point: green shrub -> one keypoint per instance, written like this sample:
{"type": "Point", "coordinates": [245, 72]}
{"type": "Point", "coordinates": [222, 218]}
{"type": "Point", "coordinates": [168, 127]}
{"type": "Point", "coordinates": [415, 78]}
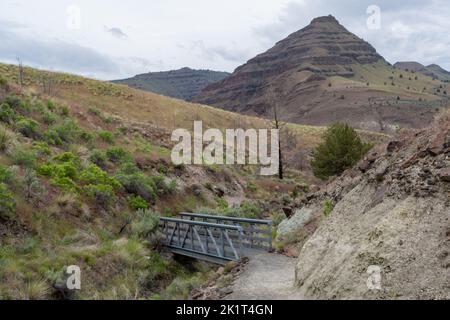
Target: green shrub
{"type": "Point", "coordinates": [87, 136]}
{"type": "Point", "coordinates": [3, 82]}
{"type": "Point", "coordinates": [327, 207]}
{"type": "Point", "coordinates": [7, 203]}
{"type": "Point", "coordinates": [51, 106]}
{"type": "Point", "coordinates": [96, 176]}
{"type": "Point", "coordinates": [101, 193]}
{"type": "Point", "coordinates": [144, 224]}
{"type": "Point", "coordinates": [24, 157]}
{"type": "Point", "coordinates": [64, 111]}
{"type": "Point", "coordinates": [32, 185]}
{"type": "Point", "coordinates": [49, 118]}
{"type": "Point", "coordinates": [5, 139]}
{"type": "Point", "coordinates": [172, 187]}
{"type": "Point", "coordinates": [68, 170]}
{"type": "Point", "coordinates": [66, 184]}
{"type": "Point", "coordinates": [252, 187]}
{"type": "Point", "coordinates": [222, 204]}
{"type": "Point", "coordinates": [7, 114]}
{"type": "Point", "coordinates": [118, 155]}
{"type": "Point", "coordinates": [128, 168]}
{"type": "Point", "coordinates": [52, 137]}
{"type": "Point", "coordinates": [64, 172]}
{"type": "Point", "coordinates": [162, 187]}
{"type": "Point", "coordinates": [67, 132]}
{"type": "Point", "coordinates": [39, 107]}
{"type": "Point", "coordinates": [99, 158]}
{"type": "Point", "coordinates": [6, 175]}
{"type": "Point", "coordinates": [342, 148]}
{"type": "Point", "coordinates": [136, 202]}
{"type": "Point", "coordinates": [106, 136]}
{"type": "Point", "coordinates": [66, 157]}
{"type": "Point", "coordinates": [277, 218]}
{"type": "Point", "coordinates": [13, 101]}
{"type": "Point", "coordinates": [138, 184]}
{"type": "Point", "coordinates": [29, 128]}
{"type": "Point", "coordinates": [245, 210]}
{"type": "Point", "coordinates": [162, 169]}
{"type": "Point", "coordinates": [42, 148]}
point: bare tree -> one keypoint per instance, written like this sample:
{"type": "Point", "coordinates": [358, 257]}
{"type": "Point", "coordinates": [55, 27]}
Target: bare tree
{"type": "Point", "coordinates": [47, 83]}
{"type": "Point", "coordinates": [274, 115]}
{"type": "Point", "coordinates": [21, 74]}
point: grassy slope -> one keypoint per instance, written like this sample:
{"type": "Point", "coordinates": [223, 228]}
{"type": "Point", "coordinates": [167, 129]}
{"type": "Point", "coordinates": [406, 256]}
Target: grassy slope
{"type": "Point", "coordinates": [381, 77]}
{"type": "Point", "coordinates": [145, 107]}
{"type": "Point", "coordinates": [50, 228]}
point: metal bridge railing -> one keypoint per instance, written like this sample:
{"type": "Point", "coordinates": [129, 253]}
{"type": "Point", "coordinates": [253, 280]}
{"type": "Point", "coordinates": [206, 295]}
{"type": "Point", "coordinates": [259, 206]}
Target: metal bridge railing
{"type": "Point", "coordinates": [215, 240]}
{"type": "Point", "coordinates": [257, 233]}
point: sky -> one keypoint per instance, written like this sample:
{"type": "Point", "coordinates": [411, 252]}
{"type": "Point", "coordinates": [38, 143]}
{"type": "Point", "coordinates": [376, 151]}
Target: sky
{"type": "Point", "coordinates": [112, 39]}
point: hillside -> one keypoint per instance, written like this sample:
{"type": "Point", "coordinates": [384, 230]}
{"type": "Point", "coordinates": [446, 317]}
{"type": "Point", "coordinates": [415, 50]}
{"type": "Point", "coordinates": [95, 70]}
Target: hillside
{"type": "Point", "coordinates": [433, 70]}
{"type": "Point", "coordinates": [323, 73]}
{"type": "Point", "coordinates": [85, 172]}
{"type": "Point", "coordinates": [390, 212]}
{"type": "Point", "coordinates": [182, 84]}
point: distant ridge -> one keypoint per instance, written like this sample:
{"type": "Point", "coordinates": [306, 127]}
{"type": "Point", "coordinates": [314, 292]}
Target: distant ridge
{"type": "Point", "coordinates": [433, 70]}
{"type": "Point", "coordinates": [184, 83]}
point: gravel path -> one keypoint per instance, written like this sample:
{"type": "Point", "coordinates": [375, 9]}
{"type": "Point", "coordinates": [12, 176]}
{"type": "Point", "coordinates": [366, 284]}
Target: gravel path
{"type": "Point", "coordinates": [267, 276]}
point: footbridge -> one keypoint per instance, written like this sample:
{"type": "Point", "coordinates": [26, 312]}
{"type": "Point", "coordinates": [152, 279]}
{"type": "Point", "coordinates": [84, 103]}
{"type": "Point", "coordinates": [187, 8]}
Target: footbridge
{"type": "Point", "coordinates": [216, 239]}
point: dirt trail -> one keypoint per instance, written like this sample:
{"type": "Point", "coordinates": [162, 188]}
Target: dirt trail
{"type": "Point", "coordinates": [267, 276]}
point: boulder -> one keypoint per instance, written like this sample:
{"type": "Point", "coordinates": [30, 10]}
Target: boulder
{"type": "Point", "coordinates": [444, 174]}
{"type": "Point", "coordinates": [295, 229]}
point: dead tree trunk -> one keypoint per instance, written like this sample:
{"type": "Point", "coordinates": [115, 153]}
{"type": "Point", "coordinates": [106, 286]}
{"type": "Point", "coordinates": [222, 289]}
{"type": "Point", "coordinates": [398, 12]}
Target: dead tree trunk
{"type": "Point", "coordinates": [21, 76]}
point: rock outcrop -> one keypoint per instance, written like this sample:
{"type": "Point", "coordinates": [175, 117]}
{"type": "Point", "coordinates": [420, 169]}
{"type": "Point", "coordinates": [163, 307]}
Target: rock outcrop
{"type": "Point", "coordinates": [392, 214]}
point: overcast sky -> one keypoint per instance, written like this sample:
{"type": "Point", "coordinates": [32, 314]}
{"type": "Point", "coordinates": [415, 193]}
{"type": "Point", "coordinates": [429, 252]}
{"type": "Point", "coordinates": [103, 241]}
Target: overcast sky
{"type": "Point", "coordinates": [110, 39]}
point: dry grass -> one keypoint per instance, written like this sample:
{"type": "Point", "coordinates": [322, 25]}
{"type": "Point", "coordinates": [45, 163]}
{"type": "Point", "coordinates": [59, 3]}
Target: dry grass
{"type": "Point", "coordinates": [131, 105]}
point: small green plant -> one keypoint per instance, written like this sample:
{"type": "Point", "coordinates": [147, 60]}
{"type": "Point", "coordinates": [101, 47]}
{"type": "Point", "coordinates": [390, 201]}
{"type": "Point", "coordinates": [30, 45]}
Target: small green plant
{"type": "Point", "coordinates": [7, 114]}
{"type": "Point", "coordinates": [222, 204]}
{"type": "Point", "coordinates": [138, 184]}
{"type": "Point", "coordinates": [101, 193]}
{"type": "Point", "coordinates": [3, 82]}
{"type": "Point", "coordinates": [51, 106]}
{"type": "Point", "coordinates": [42, 148]}
{"type": "Point", "coordinates": [24, 157]}
{"type": "Point", "coordinates": [137, 202]}
{"type": "Point", "coordinates": [86, 136]}
{"type": "Point", "coordinates": [106, 136]}
{"type": "Point", "coordinates": [162, 168]}
{"type": "Point", "coordinates": [64, 111]}
{"type": "Point", "coordinates": [327, 207]}
{"type": "Point", "coordinates": [49, 118]}
{"type": "Point", "coordinates": [99, 158]}
{"type": "Point", "coordinates": [7, 202]}
{"type": "Point", "coordinates": [32, 186]}
{"type": "Point", "coordinates": [277, 218]}
{"type": "Point", "coordinates": [252, 187]}
{"type": "Point", "coordinates": [28, 127]}
{"type": "Point", "coordinates": [6, 175]}
{"type": "Point", "coordinates": [145, 223]}
{"type": "Point", "coordinates": [67, 132]}
{"type": "Point", "coordinates": [118, 155]}
{"type": "Point", "coordinates": [5, 139]}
